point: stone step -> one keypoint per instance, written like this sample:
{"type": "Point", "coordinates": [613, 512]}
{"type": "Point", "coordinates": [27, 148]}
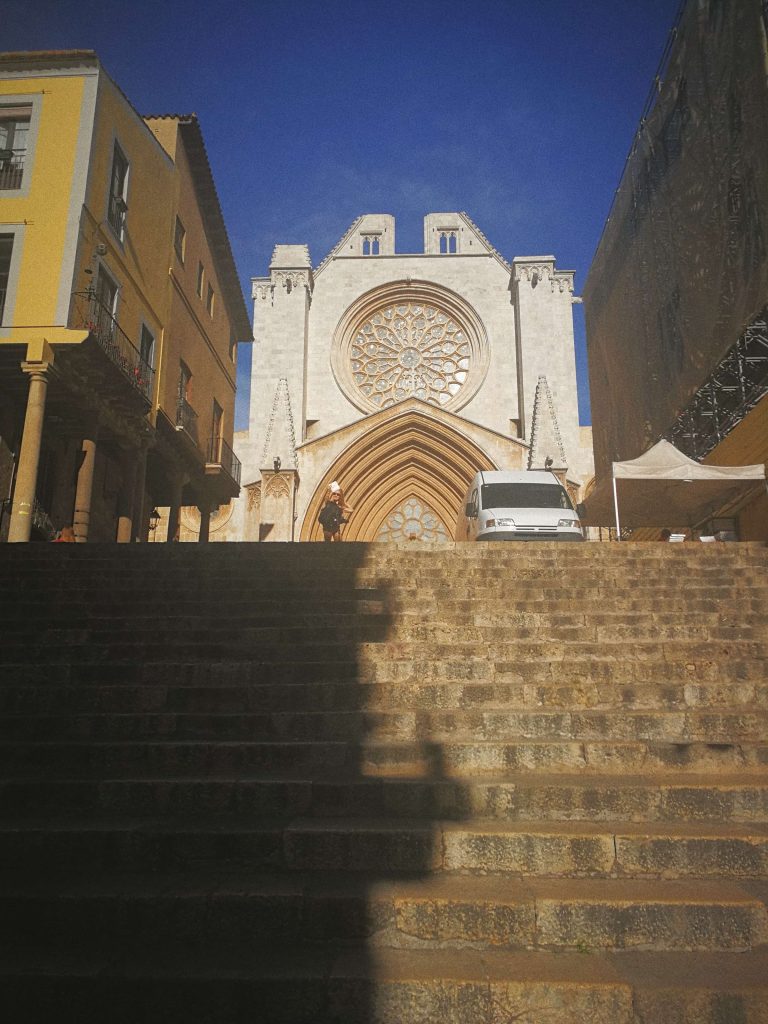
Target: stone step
{"type": "Point", "coordinates": [271, 617]}
{"type": "Point", "coordinates": [512, 797]}
{"type": "Point", "coordinates": [362, 986]}
{"type": "Point", "coordinates": [383, 653]}
{"type": "Point", "coordinates": [705, 726]}
{"type": "Point", "coordinates": [518, 849]}
{"type": "Point", "coordinates": [175, 690]}
{"type": "Point", "coordinates": [663, 662]}
{"type": "Point", "coordinates": [283, 613]}
{"type": "Point", "coordinates": [427, 758]}
{"type": "Point", "coordinates": [295, 638]}
{"type": "Point", "coordinates": [354, 554]}
{"type": "Point", "coordinates": [455, 594]}
{"type": "Point", "coordinates": [309, 559]}
{"type": "Point", "coordinates": [266, 911]}
{"type": "Point", "coordinates": [399, 579]}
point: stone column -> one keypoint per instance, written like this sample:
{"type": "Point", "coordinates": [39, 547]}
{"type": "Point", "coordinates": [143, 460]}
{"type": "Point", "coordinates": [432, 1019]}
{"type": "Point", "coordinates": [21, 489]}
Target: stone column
{"type": "Point", "coordinates": [174, 512]}
{"type": "Point", "coordinates": [139, 498]}
{"type": "Point", "coordinates": [20, 526]}
{"type": "Point", "coordinates": [84, 488]}
{"type": "Point", "coordinates": [125, 501]}
{"type": "Point", "coordinates": [205, 522]}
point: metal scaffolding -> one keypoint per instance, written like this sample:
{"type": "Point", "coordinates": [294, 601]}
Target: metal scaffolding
{"type": "Point", "coordinates": [729, 393]}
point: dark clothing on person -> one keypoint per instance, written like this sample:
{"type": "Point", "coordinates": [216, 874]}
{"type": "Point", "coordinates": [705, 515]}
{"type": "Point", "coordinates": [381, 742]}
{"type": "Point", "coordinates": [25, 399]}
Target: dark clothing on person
{"type": "Point", "coordinates": [331, 517]}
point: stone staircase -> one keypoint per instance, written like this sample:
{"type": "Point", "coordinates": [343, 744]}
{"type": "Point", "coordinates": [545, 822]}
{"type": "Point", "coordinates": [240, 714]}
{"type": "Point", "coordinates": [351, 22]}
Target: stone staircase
{"type": "Point", "coordinates": [317, 784]}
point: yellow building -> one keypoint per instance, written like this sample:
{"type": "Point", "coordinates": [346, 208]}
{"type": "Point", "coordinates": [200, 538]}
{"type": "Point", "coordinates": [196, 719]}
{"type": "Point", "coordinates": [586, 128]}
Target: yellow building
{"type": "Point", "coordinates": [120, 309]}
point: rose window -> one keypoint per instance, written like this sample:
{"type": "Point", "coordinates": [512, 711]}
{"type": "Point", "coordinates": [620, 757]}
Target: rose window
{"type": "Point", "coordinates": [409, 350]}
{"type": "Point", "coordinates": [412, 520]}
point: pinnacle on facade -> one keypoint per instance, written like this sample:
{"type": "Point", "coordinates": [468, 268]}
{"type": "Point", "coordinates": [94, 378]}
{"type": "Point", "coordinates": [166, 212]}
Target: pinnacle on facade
{"type": "Point", "coordinates": [280, 441]}
{"type": "Point", "coordinates": [547, 451]}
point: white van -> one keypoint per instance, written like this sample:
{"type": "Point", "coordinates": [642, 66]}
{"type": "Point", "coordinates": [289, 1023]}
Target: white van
{"type": "Point", "coordinates": [517, 505]}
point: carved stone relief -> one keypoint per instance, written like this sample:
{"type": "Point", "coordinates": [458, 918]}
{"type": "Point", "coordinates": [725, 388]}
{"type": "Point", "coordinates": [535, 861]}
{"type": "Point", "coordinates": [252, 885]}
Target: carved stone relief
{"type": "Point", "coordinates": [277, 487]}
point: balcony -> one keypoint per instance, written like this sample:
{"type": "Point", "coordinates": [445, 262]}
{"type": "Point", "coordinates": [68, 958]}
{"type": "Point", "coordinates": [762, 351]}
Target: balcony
{"type": "Point", "coordinates": [95, 317]}
{"type": "Point", "coordinates": [220, 455]}
{"type": "Point", "coordinates": [11, 168]}
{"type": "Point", "coordinates": [186, 419]}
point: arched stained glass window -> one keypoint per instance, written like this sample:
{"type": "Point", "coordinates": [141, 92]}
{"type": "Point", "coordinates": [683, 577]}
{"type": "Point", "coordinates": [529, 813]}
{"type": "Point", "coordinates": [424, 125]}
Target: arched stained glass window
{"type": "Point", "coordinates": [412, 520]}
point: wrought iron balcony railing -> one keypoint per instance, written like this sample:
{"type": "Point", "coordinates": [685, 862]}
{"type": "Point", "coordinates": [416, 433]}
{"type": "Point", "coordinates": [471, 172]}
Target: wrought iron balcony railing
{"type": "Point", "coordinates": [42, 521]}
{"type": "Point", "coordinates": [116, 214]}
{"type": "Point", "coordinates": [186, 419]}
{"type": "Point", "coordinates": [220, 454]}
{"type": "Point", "coordinates": [95, 317]}
{"type": "Point", "coordinates": [11, 167]}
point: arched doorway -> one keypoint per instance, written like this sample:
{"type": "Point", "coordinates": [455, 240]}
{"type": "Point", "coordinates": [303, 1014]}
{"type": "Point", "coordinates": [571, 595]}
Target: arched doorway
{"type": "Point", "coordinates": [410, 460]}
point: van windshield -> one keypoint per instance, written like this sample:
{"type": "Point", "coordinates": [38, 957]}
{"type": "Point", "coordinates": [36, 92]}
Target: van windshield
{"type": "Point", "coordinates": [525, 496]}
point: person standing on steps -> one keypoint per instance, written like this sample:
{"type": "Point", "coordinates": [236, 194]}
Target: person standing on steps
{"type": "Point", "coordinates": [332, 514]}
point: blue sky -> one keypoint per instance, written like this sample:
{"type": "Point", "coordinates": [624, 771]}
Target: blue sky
{"type": "Point", "coordinates": [520, 112]}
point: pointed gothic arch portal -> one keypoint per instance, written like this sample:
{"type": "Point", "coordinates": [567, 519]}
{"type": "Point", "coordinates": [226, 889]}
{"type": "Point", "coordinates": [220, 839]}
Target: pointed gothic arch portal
{"type": "Point", "coordinates": [410, 457]}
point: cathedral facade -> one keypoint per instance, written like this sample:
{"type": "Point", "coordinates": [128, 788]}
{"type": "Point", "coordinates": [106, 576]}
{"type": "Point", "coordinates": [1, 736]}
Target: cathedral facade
{"type": "Point", "coordinates": [400, 376]}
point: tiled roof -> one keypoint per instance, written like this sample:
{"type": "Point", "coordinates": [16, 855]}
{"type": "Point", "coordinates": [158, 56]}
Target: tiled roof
{"type": "Point", "coordinates": [48, 57]}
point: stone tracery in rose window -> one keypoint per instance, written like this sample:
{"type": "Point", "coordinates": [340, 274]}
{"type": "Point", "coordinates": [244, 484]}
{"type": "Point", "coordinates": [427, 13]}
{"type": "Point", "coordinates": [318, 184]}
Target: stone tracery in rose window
{"type": "Point", "coordinates": [412, 520]}
{"type": "Point", "coordinates": [410, 350]}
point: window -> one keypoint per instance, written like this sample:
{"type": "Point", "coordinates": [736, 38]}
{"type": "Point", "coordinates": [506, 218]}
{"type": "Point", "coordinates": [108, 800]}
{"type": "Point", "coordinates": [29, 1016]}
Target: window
{"type": "Point", "coordinates": [185, 382]}
{"type": "Point", "coordinates": [186, 417]}
{"type": "Point", "coordinates": [118, 192]}
{"type": "Point", "coordinates": [509, 495]}
{"type": "Point", "coordinates": [371, 245]}
{"type": "Point", "coordinates": [232, 348]}
{"type": "Point", "coordinates": [106, 291]}
{"type": "Point", "coordinates": [209, 300]}
{"type": "Point", "coordinates": [147, 346]}
{"type": "Point", "coordinates": [6, 248]}
{"type": "Point", "coordinates": [103, 309]}
{"type": "Point", "coordinates": [200, 279]}
{"type": "Point", "coordinates": [448, 241]}
{"type": "Point", "coordinates": [216, 423]}
{"type": "Point", "coordinates": [14, 135]}
{"type": "Point", "coordinates": [412, 520]}
{"type": "Point", "coordinates": [179, 240]}
{"type": "Point", "coordinates": [409, 350]}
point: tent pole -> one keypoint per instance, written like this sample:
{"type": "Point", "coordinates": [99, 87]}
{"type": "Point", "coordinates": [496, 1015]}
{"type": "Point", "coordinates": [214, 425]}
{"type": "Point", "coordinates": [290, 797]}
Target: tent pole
{"type": "Point", "coordinates": [616, 507]}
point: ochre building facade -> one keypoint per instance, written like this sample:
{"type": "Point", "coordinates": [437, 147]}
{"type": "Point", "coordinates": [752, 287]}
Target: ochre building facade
{"type": "Point", "coordinates": [401, 375]}
{"type": "Point", "coordinates": [120, 308]}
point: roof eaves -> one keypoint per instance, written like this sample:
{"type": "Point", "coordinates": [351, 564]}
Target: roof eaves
{"type": "Point", "coordinates": [47, 58]}
{"type": "Point", "coordinates": [213, 220]}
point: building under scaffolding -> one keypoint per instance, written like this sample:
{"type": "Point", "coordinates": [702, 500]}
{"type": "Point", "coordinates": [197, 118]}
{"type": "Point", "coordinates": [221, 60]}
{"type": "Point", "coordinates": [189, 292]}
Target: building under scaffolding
{"type": "Point", "coordinates": [676, 300]}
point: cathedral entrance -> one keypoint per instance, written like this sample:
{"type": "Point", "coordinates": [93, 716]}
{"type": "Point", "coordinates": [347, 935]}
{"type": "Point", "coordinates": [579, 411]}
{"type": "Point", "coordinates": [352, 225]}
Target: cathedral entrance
{"type": "Point", "coordinates": [405, 480]}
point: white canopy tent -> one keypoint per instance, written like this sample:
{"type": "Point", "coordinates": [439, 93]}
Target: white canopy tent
{"type": "Point", "coordinates": [665, 487]}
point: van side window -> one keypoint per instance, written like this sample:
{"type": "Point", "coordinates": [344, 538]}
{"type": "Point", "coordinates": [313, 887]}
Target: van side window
{"type": "Point", "coordinates": [473, 504]}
